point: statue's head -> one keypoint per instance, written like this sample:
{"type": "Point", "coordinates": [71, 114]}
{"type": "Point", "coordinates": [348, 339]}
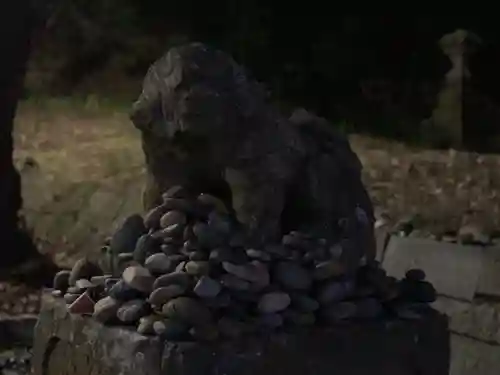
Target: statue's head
{"type": "Point", "coordinates": [196, 91]}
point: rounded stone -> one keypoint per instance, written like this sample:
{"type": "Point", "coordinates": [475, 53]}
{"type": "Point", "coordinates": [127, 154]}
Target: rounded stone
{"type": "Point", "coordinates": [159, 327]}
{"type": "Point", "coordinates": [222, 300]}
{"type": "Point", "coordinates": [146, 323]}
{"type": "Point", "coordinates": [108, 283]}
{"type": "Point", "coordinates": [407, 313]}
{"type": "Point", "coordinates": [207, 287]}
{"type": "Point", "coordinates": [415, 274]}
{"type": "Point", "coordinates": [159, 264]}
{"type": "Point", "coordinates": [170, 249]}
{"type": "Point", "coordinates": [100, 280]}
{"type": "Point", "coordinates": [278, 251]}
{"type": "Point", "coordinates": [232, 282]}
{"type": "Point", "coordinates": [172, 218]}
{"type": "Point", "coordinates": [339, 311]}
{"type": "Point", "coordinates": [198, 256]}
{"type": "Point", "coordinates": [171, 330]}
{"type": "Point", "coordinates": [258, 254]}
{"type": "Point", "coordinates": [335, 291]}
{"type": "Point", "coordinates": [418, 291]}
{"type": "Point", "coordinates": [473, 234]}
{"type": "Point", "coordinates": [190, 246]}
{"type": "Point", "coordinates": [146, 246]}
{"type": "Point", "coordinates": [61, 280]}
{"type": "Point", "coordinates": [55, 293]}
{"type": "Point", "coordinates": [69, 298]}
{"type": "Point", "coordinates": [122, 261]}
{"type": "Point", "coordinates": [303, 302]}
{"type": "Point", "coordinates": [374, 275]}
{"type": "Point", "coordinates": [364, 291]}
{"type": "Point", "coordinates": [84, 284]}
{"type": "Point", "coordinates": [189, 207]}
{"type": "Point", "coordinates": [270, 320]}
{"type": "Point", "coordinates": [197, 268]}
{"type": "Point", "coordinates": [188, 234]}
{"type": "Point", "coordinates": [125, 257]}
{"type": "Point", "coordinates": [125, 238]}
{"type": "Point", "coordinates": [105, 309]}
{"type": "Point", "coordinates": [309, 258]}
{"type": "Point", "coordinates": [177, 259]}
{"type": "Point", "coordinates": [335, 251]}
{"type": "Point", "coordinates": [219, 223]}
{"type": "Point", "coordinates": [152, 218]}
{"type": "Point", "coordinates": [213, 202]}
{"type": "Point", "coordinates": [292, 276]}
{"type": "Point", "coordinates": [274, 302]}
{"type": "Point", "coordinates": [180, 278]}
{"type": "Point", "coordinates": [123, 292]}
{"type": "Point", "coordinates": [391, 289]}
{"type": "Point", "coordinates": [75, 290]}
{"type": "Point", "coordinates": [299, 318]}
{"type": "Point", "coordinates": [250, 272]}
{"type": "Point", "coordinates": [206, 237]}
{"type": "Point", "coordinates": [176, 191]}
{"type": "Point", "coordinates": [227, 254]}
{"type": "Point", "coordinates": [171, 232]}
{"type": "Point", "coordinates": [328, 269]}
{"type": "Point", "coordinates": [132, 311]}
{"type": "Point", "coordinates": [181, 267]}
{"type": "Point", "coordinates": [208, 332]}
{"type": "Point", "coordinates": [164, 294]}
{"type": "Point", "coordinates": [296, 240]}
{"type": "Point", "coordinates": [237, 239]}
{"type": "Point", "coordinates": [83, 269]}
{"type": "Point", "coordinates": [368, 308]}
{"type": "Point", "coordinates": [138, 278]}
{"type": "Point", "coordinates": [187, 310]}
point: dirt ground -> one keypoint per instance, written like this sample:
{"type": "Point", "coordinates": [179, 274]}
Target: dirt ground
{"type": "Point", "coordinates": [82, 170]}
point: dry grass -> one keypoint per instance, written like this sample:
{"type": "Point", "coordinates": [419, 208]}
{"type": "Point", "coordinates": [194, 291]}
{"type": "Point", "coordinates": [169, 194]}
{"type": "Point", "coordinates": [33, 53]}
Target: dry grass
{"type": "Point", "coordinates": [445, 189]}
{"type": "Point", "coordinates": [88, 175]}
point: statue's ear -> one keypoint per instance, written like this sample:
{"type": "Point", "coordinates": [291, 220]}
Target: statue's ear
{"type": "Point", "coordinates": [140, 115]}
{"type": "Point", "coordinates": [149, 116]}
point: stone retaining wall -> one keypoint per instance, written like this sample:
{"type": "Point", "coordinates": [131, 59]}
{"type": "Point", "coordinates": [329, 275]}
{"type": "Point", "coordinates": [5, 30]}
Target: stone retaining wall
{"type": "Point", "coordinates": [72, 345]}
{"type": "Point", "coordinates": [467, 279]}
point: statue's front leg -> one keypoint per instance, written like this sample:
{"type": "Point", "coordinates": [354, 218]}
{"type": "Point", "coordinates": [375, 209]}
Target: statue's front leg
{"type": "Point", "coordinates": [258, 203]}
{"type": "Point", "coordinates": [168, 165]}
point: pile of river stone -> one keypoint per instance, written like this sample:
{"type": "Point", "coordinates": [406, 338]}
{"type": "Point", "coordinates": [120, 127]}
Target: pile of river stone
{"type": "Point", "coordinates": [183, 272]}
{"type": "Point", "coordinates": [15, 361]}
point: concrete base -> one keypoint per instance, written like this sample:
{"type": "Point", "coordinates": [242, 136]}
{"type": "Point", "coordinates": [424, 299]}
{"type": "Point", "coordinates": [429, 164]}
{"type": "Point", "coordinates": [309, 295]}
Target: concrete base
{"type": "Point", "coordinates": [72, 345]}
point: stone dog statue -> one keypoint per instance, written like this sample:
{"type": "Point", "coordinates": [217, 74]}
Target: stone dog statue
{"type": "Point", "coordinates": [207, 126]}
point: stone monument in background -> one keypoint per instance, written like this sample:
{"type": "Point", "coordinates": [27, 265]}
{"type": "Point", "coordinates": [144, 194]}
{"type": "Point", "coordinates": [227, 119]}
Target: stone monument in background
{"type": "Point", "coordinates": [448, 124]}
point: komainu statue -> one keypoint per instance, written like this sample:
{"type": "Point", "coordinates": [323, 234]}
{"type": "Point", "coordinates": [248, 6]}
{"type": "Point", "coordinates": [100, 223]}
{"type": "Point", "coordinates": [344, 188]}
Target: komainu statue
{"type": "Point", "coordinates": [206, 125]}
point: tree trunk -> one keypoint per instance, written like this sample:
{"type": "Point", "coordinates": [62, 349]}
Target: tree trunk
{"type": "Point", "coordinates": [17, 22]}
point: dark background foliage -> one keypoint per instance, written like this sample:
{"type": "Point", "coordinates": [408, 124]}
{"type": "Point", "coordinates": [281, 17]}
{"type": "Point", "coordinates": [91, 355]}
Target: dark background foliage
{"type": "Point", "coordinates": [377, 73]}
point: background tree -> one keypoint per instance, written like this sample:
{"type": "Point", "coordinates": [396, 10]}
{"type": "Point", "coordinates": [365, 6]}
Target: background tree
{"type": "Point", "coordinates": [17, 22]}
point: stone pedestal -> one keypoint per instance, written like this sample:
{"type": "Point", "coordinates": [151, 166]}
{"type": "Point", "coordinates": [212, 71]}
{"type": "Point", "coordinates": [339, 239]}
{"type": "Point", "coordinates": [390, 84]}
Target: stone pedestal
{"type": "Point", "coordinates": [74, 345]}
